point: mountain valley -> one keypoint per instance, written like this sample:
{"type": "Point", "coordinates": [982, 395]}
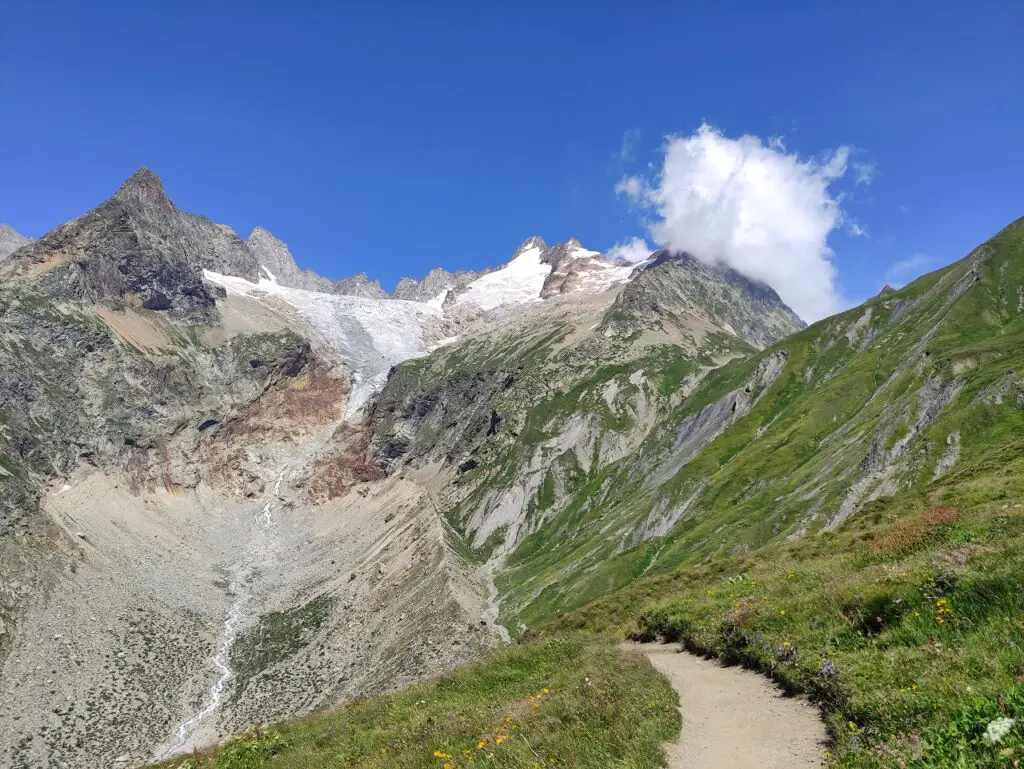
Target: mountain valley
{"type": "Point", "coordinates": [236, 492]}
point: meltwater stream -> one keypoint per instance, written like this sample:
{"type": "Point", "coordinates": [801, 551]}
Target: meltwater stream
{"type": "Point", "coordinates": [221, 660]}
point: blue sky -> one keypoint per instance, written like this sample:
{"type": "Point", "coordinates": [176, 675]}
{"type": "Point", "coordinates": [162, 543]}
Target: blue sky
{"type": "Point", "coordinates": [392, 137]}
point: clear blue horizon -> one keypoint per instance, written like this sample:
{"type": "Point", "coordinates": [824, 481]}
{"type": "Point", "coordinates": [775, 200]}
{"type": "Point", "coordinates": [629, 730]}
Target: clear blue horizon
{"type": "Point", "coordinates": [395, 137]}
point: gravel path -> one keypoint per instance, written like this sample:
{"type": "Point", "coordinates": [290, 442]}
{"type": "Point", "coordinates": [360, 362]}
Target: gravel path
{"type": "Point", "coordinates": [734, 718]}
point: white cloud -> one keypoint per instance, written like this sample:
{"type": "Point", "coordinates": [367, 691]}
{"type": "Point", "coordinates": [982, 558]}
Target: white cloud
{"type": "Point", "coordinates": [629, 141]}
{"type": "Point", "coordinates": [906, 269]}
{"type": "Point", "coordinates": [632, 251]}
{"type": "Point", "coordinates": [753, 206]}
{"type": "Point", "coordinates": [855, 230]}
{"type": "Point", "coordinates": [631, 186]}
{"type": "Point", "coordinates": [864, 172]}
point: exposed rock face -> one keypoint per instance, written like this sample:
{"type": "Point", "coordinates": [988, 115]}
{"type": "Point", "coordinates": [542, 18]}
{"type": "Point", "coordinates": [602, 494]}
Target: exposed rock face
{"type": "Point", "coordinates": [359, 285]}
{"type": "Point", "coordinates": [278, 263]}
{"type": "Point", "coordinates": [11, 240]}
{"type": "Point", "coordinates": [437, 281]}
{"type": "Point", "coordinates": [135, 250]}
{"type": "Point", "coordinates": [575, 268]}
{"type": "Point", "coordinates": [675, 288]}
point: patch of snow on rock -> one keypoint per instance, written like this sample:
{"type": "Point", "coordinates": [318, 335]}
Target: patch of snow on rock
{"type": "Point", "coordinates": [611, 274]}
{"type": "Point", "coordinates": [518, 282]}
{"type": "Point", "coordinates": [438, 301]}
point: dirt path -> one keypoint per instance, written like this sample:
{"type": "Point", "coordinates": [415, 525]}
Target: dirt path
{"type": "Point", "coordinates": [734, 718]}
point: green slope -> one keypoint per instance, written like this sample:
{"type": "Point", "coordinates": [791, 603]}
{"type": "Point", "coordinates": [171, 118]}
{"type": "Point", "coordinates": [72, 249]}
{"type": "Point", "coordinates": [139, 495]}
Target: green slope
{"type": "Point", "coordinates": [559, 703]}
{"type": "Point", "coordinates": [866, 404]}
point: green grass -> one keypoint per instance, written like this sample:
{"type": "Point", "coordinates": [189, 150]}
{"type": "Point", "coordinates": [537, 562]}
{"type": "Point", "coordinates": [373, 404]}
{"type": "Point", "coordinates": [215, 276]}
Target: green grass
{"type": "Point", "coordinates": [565, 702]}
{"type": "Point", "coordinates": [907, 627]}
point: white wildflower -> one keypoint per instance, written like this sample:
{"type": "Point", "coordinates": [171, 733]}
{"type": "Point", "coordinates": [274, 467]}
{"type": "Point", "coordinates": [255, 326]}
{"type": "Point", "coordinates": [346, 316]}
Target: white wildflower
{"type": "Point", "coordinates": [998, 729]}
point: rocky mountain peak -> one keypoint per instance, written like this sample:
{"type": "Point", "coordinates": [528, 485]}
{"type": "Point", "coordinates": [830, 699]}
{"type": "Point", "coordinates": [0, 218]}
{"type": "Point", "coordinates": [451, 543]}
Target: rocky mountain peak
{"type": "Point", "coordinates": [272, 254]}
{"type": "Point", "coordinates": [534, 241]}
{"type": "Point", "coordinates": [11, 240]}
{"type": "Point", "coordinates": [674, 287]}
{"type": "Point", "coordinates": [438, 280]}
{"type": "Point", "coordinates": [144, 188]}
{"type": "Point", "coordinates": [562, 253]}
{"type": "Point", "coordinates": [360, 285]}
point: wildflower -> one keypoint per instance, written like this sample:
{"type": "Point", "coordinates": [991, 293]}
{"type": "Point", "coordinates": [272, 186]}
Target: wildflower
{"type": "Point", "coordinates": [791, 575]}
{"type": "Point", "coordinates": [997, 730]}
{"type": "Point", "coordinates": [439, 754]}
{"type": "Point", "coordinates": [782, 612]}
{"type": "Point", "coordinates": [480, 745]}
{"type": "Point", "coordinates": [500, 739]}
{"type": "Point", "coordinates": [546, 690]}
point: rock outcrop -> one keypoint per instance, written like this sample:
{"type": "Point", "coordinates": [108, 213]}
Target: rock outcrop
{"type": "Point", "coordinates": [135, 251]}
{"type": "Point", "coordinates": [436, 283]}
{"type": "Point", "coordinates": [675, 288]}
{"type": "Point", "coordinates": [11, 240]}
{"type": "Point", "coordinates": [279, 265]}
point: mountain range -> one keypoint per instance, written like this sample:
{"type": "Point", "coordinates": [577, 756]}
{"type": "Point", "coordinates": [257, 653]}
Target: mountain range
{"type": "Point", "coordinates": [236, 491]}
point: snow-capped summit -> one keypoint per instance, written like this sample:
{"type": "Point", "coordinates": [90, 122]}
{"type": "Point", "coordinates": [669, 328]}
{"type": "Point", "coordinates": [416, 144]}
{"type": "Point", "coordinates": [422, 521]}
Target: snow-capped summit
{"type": "Point", "coordinates": [575, 268]}
{"type": "Point", "coordinates": [519, 281]}
{"type": "Point", "coordinates": [538, 272]}
{"type": "Point", "coordinates": [534, 241]}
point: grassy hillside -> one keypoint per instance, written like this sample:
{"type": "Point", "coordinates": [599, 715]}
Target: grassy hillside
{"type": "Point", "coordinates": [563, 702]}
{"type": "Point", "coordinates": [907, 625]}
{"type": "Point", "coordinates": [902, 613]}
{"type": "Point", "coordinates": [917, 389]}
